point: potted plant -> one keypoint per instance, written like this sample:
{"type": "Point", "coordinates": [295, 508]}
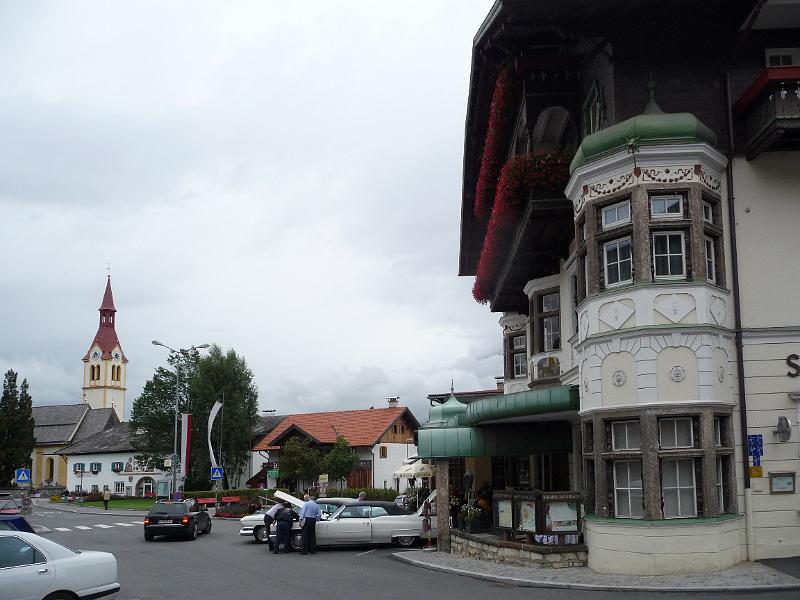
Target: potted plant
{"type": "Point", "coordinates": [471, 515]}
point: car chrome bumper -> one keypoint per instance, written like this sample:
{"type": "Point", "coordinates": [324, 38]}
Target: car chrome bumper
{"type": "Point", "coordinates": [247, 531]}
{"type": "Point", "coordinates": [99, 592]}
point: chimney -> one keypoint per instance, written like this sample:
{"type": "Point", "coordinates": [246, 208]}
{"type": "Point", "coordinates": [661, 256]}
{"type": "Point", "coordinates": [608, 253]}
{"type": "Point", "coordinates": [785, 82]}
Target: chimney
{"type": "Point", "coordinates": [393, 401]}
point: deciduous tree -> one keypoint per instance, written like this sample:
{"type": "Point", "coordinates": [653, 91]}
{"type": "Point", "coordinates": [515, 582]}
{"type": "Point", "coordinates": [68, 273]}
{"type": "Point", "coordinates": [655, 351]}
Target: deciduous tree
{"type": "Point", "coordinates": [340, 461]}
{"type": "Point", "coordinates": [298, 461]}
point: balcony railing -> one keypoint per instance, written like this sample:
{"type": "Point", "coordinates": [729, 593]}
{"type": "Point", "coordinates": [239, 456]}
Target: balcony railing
{"type": "Point", "coordinates": [771, 111]}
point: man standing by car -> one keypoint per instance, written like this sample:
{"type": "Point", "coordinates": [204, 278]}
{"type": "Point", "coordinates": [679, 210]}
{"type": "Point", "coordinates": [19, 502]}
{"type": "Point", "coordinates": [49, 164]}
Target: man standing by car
{"type": "Point", "coordinates": [284, 519]}
{"type": "Point", "coordinates": [309, 515]}
{"type": "Point", "coordinates": [106, 497]}
{"type": "Point", "coordinates": [269, 519]}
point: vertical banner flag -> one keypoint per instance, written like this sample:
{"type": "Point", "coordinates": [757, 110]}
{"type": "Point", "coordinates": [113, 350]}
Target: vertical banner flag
{"type": "Point", "coordinates": [186, 442]}
{"type": "Point", "coordinates": [211, 417]}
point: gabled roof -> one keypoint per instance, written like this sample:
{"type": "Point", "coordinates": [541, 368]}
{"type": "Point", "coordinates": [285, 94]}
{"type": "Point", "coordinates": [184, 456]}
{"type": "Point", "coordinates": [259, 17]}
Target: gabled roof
{"type": "Point", "coordinates": [106, 337]}
{"type": "Point", "coordinates": [358, 427]}
{"type": "Point", "coordinates": [65, 423]}
{"type": "Point", "coordinates": [118, 438]}
{"type": "Point", "coordinates": [267, 423]}
{"type": "Point", "coordinates": [57, 424]}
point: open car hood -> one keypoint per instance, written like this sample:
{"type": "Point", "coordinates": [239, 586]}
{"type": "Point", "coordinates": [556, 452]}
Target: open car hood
{"type": "Point", "coordinates": [289, 498]}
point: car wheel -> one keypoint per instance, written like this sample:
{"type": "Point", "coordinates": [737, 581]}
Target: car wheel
{"type": "Point", "coordinates": [405, 540]}
{"type": "Point", "coordinates": [261, 534]}
{"type": "Point", "coordinates": [297, 541]}
{"type": "Point", "coordinates": [148, 537]}
{"type": "Point", "coordinates": [193, 531]}
{"type": "Point", "coordinates": [207, 530]}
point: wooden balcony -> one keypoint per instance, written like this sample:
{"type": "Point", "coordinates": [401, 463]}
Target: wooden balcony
{"type": "Point", "coordinates": [770, 110]}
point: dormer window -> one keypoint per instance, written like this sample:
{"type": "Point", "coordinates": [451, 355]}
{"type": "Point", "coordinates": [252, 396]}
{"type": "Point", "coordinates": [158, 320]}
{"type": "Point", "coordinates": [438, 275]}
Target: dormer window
{"type": "Point", "coordinates": [666, 207]}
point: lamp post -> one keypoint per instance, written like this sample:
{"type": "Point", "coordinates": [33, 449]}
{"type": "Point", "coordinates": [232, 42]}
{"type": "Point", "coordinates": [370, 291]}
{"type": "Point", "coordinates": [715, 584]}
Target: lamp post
{"type": "Point", "coordinates": [177, 399]}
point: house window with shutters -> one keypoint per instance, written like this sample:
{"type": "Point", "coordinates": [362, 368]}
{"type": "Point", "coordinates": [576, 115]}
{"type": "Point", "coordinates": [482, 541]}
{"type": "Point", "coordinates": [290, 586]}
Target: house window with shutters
{"type": "Point", "coordinates": [384, 452]}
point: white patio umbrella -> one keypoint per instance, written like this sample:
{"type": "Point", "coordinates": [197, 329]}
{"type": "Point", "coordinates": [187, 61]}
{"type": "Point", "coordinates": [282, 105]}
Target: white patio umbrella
{"type": "Point", "coordinates": [403, 472]}
{"type": "Point", "coordinates": [420, 469]}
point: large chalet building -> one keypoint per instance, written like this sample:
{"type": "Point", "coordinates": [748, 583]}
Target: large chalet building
{"type": "Point", "coordinates": [630, 212]}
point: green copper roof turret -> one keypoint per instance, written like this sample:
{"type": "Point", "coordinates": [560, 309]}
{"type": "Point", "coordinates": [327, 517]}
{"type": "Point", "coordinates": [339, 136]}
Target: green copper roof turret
{"type": "Point", "coordinates": [651, 128]}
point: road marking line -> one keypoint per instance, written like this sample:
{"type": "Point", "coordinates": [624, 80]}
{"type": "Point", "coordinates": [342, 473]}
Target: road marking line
{"type": "Point", "coordinates": [136, 522]}
{"type": "Point", "coordinates": [124, 524]}
{"type": "Point", "coordinates": [62, 529]}
{"type": "Point", "coordinates": [82, 527]}
{"type": "Point", "coordinates": [101, 526]}
{"type": "Point", "coordinates": [42, 528]}
{"type": "Point", "coordinates": [367, 552]}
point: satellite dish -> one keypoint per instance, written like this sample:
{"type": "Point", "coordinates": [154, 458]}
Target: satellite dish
{"type": "Point", "coordinates": [784, 430]}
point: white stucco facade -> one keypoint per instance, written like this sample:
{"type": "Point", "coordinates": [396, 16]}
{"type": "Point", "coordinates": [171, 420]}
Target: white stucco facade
{"type": "Point", "coordinates": [384, 468]}
{"type": "Point", "coordinates": [132, 479]}
{"type": "Point", "coordinates": [107, 389]}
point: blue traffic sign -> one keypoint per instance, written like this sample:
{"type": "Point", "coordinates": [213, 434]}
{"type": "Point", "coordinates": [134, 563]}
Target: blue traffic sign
{"type": "Point", "coordinates": [755, 445]}
{"type": "Point", "coordinates": [216, 473]}
{"type": "Point", "coordinates": [22, 475]}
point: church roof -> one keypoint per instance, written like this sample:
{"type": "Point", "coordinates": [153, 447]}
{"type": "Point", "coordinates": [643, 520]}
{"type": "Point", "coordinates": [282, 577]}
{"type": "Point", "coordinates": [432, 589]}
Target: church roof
{"type": "Point", "coordinates": [65, 423]}
{"type": "Point", "coordinates": [108, 297]}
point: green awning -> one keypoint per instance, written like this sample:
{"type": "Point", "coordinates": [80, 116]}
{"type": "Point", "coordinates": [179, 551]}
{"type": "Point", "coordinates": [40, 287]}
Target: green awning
{"type": "Point", "coordinates": [518, 439]}
{"type": "Point", "coordinates": [521, 404]}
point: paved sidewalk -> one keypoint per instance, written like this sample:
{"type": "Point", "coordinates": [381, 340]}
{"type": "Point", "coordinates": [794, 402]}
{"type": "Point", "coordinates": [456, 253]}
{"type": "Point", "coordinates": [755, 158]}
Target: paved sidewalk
{"type": "Point", "coordinates": [745, 576]}
{"type": "Point", "coordinates": [87, 510]}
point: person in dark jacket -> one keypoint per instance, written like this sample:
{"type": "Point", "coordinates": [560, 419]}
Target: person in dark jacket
{"type": "Point", "coordinates": [283, 527]}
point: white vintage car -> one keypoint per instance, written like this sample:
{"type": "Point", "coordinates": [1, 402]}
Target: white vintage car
{"type": "Point", "coordinates": [368, 522]}
{"type": "Point", "coordinates": [33, 567]}
{"type": "Point", "coordinates": [253, 525]}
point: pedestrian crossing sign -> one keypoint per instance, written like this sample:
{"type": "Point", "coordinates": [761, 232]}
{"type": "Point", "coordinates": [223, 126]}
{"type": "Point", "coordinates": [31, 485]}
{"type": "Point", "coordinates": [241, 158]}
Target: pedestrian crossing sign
{"type": "Point", "coordinates": [216, 473]}
{"type": "Point", "coordinates": [22, 475]}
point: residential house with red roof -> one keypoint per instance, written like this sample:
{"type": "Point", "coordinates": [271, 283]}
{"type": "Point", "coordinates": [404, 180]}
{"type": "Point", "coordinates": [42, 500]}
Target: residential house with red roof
{"type": "Point", "coordinates": [382, 437]}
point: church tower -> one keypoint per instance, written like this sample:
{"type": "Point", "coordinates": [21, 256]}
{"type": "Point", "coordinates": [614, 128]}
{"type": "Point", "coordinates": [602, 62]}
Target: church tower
{"type": "Point", "coordinates": [104, 365]}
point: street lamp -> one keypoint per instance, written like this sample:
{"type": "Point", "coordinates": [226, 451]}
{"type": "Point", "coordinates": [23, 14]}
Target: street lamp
{"type": "Point", "coordinates": [177, 398]}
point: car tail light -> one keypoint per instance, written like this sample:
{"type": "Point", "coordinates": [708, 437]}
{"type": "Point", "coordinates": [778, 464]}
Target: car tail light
{"type": "Point", "coordinates": [185, 519]}
{"type": "Point", "coordinates": [147, 520]}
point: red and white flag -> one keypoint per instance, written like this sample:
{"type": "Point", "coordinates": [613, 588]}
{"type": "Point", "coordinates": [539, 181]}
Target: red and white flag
{"type": "Point", "coordinates": [186, 442]}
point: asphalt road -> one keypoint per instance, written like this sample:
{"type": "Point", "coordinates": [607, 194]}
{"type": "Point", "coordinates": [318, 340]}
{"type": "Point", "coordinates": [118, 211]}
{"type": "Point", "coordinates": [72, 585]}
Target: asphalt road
{"type": "Point", "coordinates": [225, 566]}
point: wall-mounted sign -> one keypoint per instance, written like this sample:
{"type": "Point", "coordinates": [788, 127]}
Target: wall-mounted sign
{"type": "Point", "coordinates": [756, 471]}
{"type": "Point", "coordinates": [781, 483]}
{"type": "Point", "coordinates": [561, 516]}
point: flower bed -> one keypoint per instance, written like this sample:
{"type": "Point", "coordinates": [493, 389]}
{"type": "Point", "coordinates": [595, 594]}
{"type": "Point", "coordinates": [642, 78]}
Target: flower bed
{"type": "Point", "coordinates": [519, 177]}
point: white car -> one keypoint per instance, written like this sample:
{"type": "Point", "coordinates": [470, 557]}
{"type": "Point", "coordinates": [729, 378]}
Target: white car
{"type": "Point", "coordinates": [253, 525]}
{"type": "Point", "coordinates": [34, 568]}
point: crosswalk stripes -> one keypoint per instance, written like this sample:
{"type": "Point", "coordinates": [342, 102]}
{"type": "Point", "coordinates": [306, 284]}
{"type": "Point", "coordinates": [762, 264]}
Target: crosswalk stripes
{"type": "Point", "coordinates": [61, 528]}
{"type": "Point", "coordinates": [101, 526]}
{"type": "Point", "coordinates": [42, 529]}
{"type": "Point", "coordinates": [83, 527]}
{"type": "Point", "coordinates": [124, 524]}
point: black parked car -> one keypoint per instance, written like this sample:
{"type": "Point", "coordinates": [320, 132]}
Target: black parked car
{"type": "Point", "coordinates": [187, 519]}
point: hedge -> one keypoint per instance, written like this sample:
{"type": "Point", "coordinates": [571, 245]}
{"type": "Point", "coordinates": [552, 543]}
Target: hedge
{"type": "Point", "coordinates": [372, 493]}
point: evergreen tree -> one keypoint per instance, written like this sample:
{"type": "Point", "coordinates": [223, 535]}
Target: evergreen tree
{"type": "Point", "coordinates": [8, 407]}
{"type": "Point", "coordinates": [16, 428]}
{"type": "Point", "coordinates": [340, 461]}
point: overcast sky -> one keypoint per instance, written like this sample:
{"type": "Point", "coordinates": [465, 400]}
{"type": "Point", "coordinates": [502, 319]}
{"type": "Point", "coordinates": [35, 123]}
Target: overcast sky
{"type": "Point", "coordinates": [283, 179]}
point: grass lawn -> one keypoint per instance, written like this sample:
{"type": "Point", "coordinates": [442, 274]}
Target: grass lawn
{"type": "Point", "coordinates": [132, 503]}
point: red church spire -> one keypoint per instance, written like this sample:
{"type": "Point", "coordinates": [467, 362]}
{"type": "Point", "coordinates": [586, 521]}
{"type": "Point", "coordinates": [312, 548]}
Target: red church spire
{"type": "Point", "coordinates": [106, 337]}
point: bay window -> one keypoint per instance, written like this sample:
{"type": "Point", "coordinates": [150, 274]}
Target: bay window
{"type": "Point", "coordinates": [669, 255]}
{"type": "Point", "coordinates": [711, 266]}
{"type": "Point", "coordinates": [666, 207]}
{"type": "Point", "coordinates": [616, 214]}
{"type": "Point", "coordinates": [676, 433]}
{"type": "Point", "coordinates": [618, 262]}
{"type": "Point", "coordinates": [678, 488]}
{"type": "Point", "coordinates": [628, 493]}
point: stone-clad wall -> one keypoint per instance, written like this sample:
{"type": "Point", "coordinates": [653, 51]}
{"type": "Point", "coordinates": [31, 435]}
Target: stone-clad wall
{"type": "Point", "coordinates": [514, 553]}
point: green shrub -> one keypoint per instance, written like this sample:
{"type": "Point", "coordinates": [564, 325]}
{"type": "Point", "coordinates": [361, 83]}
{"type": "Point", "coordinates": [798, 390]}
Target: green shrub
{"type": "Point", "coordinates": [56, 498]}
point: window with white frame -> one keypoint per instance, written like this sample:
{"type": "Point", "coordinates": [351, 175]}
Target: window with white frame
{"type": "Point", "coordinates": [782, 57]}
{"type": "Point", "coordinates": [720, 486]}
{"type": "Point", "coordinates": [676, 433]}
{"type": "Point", "coordinates": [520, 365]}
{"type": "Point", "coordinates": [116, 467]}
{"type": "Point", "coordinates": [708, 212]}
{"type": "Point", "coordinates": [625, 435]}
{"type": "Point", "coordinates": [119, 487]}
{"type": "Point", "coordinates": [518, 342]}
{"type": "Point", "coordinates": [666, 207]}
{"type": "Point", "coordinates": [78, 467]}
{"type": "Point", "coordinates": [669, 254]}
{"type": "Point", "coordinates": [711, 264]}
{"type": "Point", "coordinates": [616, 214]}
{"type": "Point", "coordinates": [95, 467]}
{"type": "Point", "coordinates": [593, 110]}
{"type": "Point", "coordinates": [678, 490]}
{"type": "Point", "coordinates": [95, 488]}
{"type": "Point", "coordinates": [718, 431]}
{"type": "Point", "coordinates": [618, 262]}
{"type": "Point", "coordinates": [628, 495]}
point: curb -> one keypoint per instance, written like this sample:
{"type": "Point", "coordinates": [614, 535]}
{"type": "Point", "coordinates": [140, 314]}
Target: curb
{"type": "Point", "coordinates": [402, 556]}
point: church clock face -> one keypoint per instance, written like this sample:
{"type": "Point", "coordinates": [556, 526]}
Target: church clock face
{"type": "Point", "coordinates": [95, 355]}
{"type": "Point", "coordinates": [116, 356]}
